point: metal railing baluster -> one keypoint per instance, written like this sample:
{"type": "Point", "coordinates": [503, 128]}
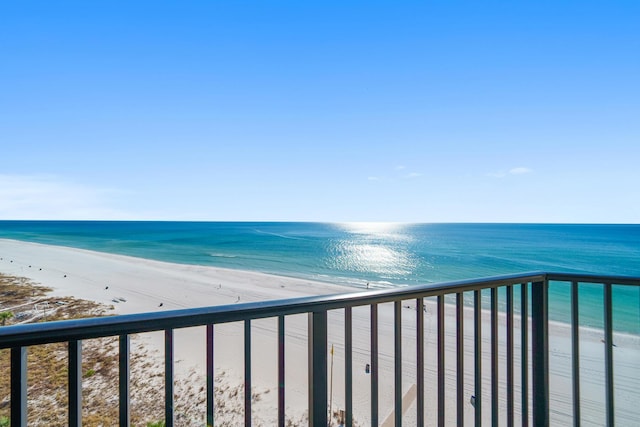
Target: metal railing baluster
{"type": "Point", "coordinates": [510, 383]}
{"type": "Point", "coordinates": [168, 377]}
{"type": "Point", "coordinates": [441, 385]}
{"type": "Point", "coordinates": [575, 353]}
{"type": "Point", "coordinates": [247, 373]}
{"type": "Point", "coordinates": [477, 338]}
{"type": "Point", "coordinates": [374, 365]}
{"type": "Point", "coordinates": [494, 357]}
{"type": "Point", "coordinates": [460, 359]}
{"type": "Point", "coordinates": [398, 362]}
{"type": "Point", "coordinates": [608, 348]}
{"type": "Point", "coordinates": [348, 365]}
{"type": "Point", "coordinates": [524, 345]}
{"type": "Point", "coordinates": [210, 376]}
{"type": "Point", "coordinates": [123, 379]}
{"type": "Point", "coordinates": [281, 378]}
{"type": "Point", "coordinates": [75, 383]}
{"type": "Point", "coordinates": [420, 361]}
{"type": "Point", "coordinates": [19, 386]}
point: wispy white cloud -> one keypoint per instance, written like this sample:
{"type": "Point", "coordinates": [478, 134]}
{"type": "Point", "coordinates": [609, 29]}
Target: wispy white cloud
{"type": "Point", "coordinates": [52, 197]}
{"type": "Point", "coordinates": [512, 171]}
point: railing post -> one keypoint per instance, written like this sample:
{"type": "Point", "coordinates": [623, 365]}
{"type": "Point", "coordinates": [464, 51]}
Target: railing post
{"type": "Point", "coordinates": [540, 352]}
{"type": "Point", "coordinates": [123, 376]}
{"type": "Point", "coordinates": [168, 377]}
{"type": "Point", "coordinates": [210, 375]}
{"type": "Point", "coordinates": [247, 373]}
{"type": "Point", "coordinates": [19, 386]}
{"type": "Point", "coordinates": [75, 383]}
{"type": "Point", "coordinates": [318, 369]}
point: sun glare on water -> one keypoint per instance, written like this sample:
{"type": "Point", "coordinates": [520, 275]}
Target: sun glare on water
{"type": "Point", "coordinates": [376, 229]}
{"type": "Point", "coordinates": [374, 247]}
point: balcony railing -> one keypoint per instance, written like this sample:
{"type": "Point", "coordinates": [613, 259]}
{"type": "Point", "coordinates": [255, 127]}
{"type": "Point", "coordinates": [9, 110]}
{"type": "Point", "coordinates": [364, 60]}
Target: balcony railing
{"type": "Point", "coordinates": [533, 392]}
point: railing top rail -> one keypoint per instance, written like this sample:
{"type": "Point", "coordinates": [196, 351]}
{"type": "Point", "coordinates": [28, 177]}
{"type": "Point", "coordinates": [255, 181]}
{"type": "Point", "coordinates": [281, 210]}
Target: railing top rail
{"type": "Point", "coordinates": [593, 278]}
{"type": "Point", "coordinates": [69, 330]}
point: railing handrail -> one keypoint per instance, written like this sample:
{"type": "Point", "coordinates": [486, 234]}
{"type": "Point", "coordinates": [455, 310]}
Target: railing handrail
{"type": "Point", "coordinates": [593, 278]}
{"type": "Point", "coordinates": [68, 330]}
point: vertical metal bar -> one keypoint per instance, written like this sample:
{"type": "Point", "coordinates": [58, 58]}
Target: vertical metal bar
{"type": "Point", "coordinates": [247, 373]}
{"type": "Point", "coordinates": [441, 389]}
{"type": "Point", "coordinates": [575, 352]}
{"type": "Point", "coordinates": [281, 401]}
{"type": "Point", "coordinates": [540, 352]}
{"type": "Point", "coordinates": [608, 340]}
{"type": "Point", "coordinates": [477, 337]}
{"type": "Point", "coordinates": [494, 357]}
{"type": "Point", "coordinates": [210, 376]}
{"type": "Point", "coordinates": [460, 358]}
{"type": "Point", "coordinates": [19, 386]}
{"type": "Point", "coordinates": [75, 383]}
{"type": "Point", "coordinates": [318, 368]}
{"type": "Point", "coordinates": [510, 356]}
{"type": "Point", "coordinates": [123, 379]}
{"type": "Point", "coordinates": [524, 345]}
{"type": "Point", "coordinates": [168, 377]}
{"type": "Point", "coordinates": [398, 362]}
{"type": "Point", "coordinates": [348, 366]}
{"type": "Point", "coordinates": [420, 360]}
{"type": "Point", "coordinates": [374, 365]}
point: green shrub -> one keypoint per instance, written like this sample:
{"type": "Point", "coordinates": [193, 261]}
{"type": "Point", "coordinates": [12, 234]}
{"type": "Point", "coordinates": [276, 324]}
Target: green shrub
{"type": "Point", "coordinates": [4, 316]}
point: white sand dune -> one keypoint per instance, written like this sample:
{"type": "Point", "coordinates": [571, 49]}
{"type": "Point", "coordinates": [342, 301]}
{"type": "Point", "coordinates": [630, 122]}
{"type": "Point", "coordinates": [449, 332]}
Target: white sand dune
{"type": "Point", "coordinates": [134, 285]}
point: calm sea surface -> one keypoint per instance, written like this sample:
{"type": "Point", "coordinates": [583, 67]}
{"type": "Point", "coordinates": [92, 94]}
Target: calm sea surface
{"type": "Point", "coordinates": [384, 255]}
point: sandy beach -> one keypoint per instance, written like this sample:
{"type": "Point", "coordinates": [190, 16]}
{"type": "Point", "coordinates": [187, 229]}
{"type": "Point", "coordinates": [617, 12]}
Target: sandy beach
{"type": "Point", "coordinates": [134, 285]}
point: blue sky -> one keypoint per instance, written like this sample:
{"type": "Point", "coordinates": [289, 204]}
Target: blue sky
{"type": "Point", "coordinates": [432, 111]}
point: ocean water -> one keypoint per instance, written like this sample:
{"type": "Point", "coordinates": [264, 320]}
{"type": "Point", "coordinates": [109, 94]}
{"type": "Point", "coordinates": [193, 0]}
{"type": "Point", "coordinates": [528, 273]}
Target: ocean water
{"type": "Point", "coordinates": [383, 255]}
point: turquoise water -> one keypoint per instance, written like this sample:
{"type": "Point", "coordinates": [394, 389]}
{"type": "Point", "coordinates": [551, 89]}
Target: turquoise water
{"type": "Point", "coordinates": [383, 255]}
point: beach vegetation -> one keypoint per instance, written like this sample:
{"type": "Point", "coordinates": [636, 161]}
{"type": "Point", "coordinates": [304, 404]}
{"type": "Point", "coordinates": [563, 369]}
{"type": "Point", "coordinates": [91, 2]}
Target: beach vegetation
{"type": "Point", "coordinates": [47, 373]}
{"type": "Point", "coordinates": [4, 316]}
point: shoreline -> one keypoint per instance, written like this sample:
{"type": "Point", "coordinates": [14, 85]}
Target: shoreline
{"type": "Point", "coordinates": [72, 269]}
{"type": "Point", "coordinates": [323, 287]}
{"type": "Point", "coordinates": [101, 277]}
